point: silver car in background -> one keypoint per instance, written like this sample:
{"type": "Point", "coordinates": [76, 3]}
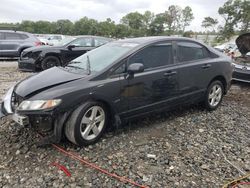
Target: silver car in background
{"type": "Point", "coordinates": [12, 43]}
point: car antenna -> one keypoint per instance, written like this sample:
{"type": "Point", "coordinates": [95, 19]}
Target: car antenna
{"type": "Point", "coordinates": [88, 66]}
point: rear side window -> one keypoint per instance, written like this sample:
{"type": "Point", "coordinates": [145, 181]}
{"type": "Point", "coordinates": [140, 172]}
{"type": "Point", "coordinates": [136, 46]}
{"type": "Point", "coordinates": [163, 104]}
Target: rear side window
{"type": "Point", "coordinates": [13, 36]}
{"type": "Point", "coordinates": [188, 51]}
{"type": "Point", "coordinates": [154, 56]}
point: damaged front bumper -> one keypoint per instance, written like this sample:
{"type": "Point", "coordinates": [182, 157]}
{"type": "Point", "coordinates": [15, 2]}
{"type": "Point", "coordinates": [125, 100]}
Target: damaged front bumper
{"type": "Point", "coordinates": [43, 121]}
{"type": "Point", "coordinates": [6, 109]}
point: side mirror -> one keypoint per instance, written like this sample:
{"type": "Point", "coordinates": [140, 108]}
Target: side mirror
{"type": "Point", "coordinates": [71, 46]}
{"type": "Point", "coordinates": [134, 68]}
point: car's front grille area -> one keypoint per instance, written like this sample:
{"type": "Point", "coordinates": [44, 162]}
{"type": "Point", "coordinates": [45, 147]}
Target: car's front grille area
{"type": "Point", "coordinates": [15, 101]}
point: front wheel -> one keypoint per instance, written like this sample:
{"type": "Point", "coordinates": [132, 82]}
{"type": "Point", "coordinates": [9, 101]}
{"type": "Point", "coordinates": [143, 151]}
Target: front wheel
{"type": "Point", "coordinates": [214, 95]}
{"type": "Point", "coordinates": [50, 61]}
{"type": "Point", "coordinates": [87, 123]}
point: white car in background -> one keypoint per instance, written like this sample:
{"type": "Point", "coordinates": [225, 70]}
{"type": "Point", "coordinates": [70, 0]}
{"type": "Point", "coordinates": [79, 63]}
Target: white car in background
{"type": "Point", "coordinates": [54, 39]}
{"type": "Point", "coordinates": [43, 40]}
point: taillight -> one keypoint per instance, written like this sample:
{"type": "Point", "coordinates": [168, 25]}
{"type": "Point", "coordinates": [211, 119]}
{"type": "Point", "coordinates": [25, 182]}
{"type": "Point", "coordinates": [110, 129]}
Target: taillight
{"type": "Point", "coordinates": [38, 43]}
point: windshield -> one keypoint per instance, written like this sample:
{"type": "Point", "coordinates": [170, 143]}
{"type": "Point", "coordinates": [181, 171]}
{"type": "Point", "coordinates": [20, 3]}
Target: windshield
{"type": "Point", "coordinates": [99, 58]}
{"type": "Point", "coordinates": [64, 41]}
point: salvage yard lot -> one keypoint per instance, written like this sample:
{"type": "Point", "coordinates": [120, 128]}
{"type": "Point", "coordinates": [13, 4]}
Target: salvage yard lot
{"type": "Point", "coordinates": [189, 147]}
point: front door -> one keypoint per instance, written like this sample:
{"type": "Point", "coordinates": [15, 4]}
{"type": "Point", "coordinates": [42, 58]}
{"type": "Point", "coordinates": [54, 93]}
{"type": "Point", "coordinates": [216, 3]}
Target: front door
{"type": "Point", "coordinates": [156, 86]}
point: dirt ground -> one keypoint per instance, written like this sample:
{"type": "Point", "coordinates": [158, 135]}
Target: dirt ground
{"type": "Point", "coordinates": [188, 147]}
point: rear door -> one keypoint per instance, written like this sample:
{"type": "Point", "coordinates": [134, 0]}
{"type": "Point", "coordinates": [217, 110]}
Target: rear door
{"type": "Point", "coordinates": [156, 87]}
{"type": "Point", "coordinates": [195, 69]}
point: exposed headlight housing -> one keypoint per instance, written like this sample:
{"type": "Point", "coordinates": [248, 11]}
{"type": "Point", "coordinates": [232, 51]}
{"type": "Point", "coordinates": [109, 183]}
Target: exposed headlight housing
{"type": "Point", "coordinates": [38, 104]}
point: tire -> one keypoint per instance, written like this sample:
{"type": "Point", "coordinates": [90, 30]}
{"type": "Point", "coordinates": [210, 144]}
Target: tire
{"type": "Point", "coordinates": [50, 61]}
{"type": "Point", "coordinates": [214, 95]}
{"type": "Point", "coordinates": [81, 128]}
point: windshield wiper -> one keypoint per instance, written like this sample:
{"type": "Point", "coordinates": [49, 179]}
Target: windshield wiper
{"type": "Point", "coordinates": [75, 62]}
{"type": "Point", "coordinates": [88, 66]}
{"type": "Point", "coordinates": [74, 66]}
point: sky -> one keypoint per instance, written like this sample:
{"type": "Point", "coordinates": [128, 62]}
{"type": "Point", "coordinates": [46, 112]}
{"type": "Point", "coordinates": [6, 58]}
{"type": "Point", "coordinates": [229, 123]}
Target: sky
{"type": "Point", "coordinates": [52, 10]}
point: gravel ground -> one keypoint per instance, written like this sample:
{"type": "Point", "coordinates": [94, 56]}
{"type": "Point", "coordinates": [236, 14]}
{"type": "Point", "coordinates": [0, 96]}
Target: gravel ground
{"type": "Point", "coordinates": [189, 147]}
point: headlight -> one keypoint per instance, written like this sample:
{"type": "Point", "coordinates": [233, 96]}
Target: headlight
{"type": "Point", "coordinates": [39, 104]}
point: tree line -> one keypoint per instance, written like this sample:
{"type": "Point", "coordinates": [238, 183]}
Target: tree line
{"type": "Point", "coordinates": [174, 20]}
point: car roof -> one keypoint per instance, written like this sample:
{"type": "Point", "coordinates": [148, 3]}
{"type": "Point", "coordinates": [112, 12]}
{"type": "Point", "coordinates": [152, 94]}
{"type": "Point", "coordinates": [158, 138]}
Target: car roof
{"type": "Point", "coordinates": [12, 31]}
{"type": "Point", "coordinates": [144, 40]}
{"type": "Point", "coordinates": [79, 36]}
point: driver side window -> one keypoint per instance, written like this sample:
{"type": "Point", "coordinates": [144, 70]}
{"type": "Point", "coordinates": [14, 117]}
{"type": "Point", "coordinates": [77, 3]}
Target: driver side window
{"type": "Point", "coordinates": [157, 55]}
{"type": "Point", "coordinates": [82, 42]}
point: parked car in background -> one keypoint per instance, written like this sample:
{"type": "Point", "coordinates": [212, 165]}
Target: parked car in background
{"type": "Point", "coordinates": [229, 48]}
{"type": "Point", "coordinates": [55, 39]}
{"type": "Point", "coordinates": [43, 41]}
{"type": "Point", "coordinates": [225, 46]}
{"type": "Point", "coordinates": [44, 57]}
{"type": "Point", "coordinates": [242, 63]}
{"type": "Point", "coordinates": [12, 43]}
{"type": "Point", "coordinates": [119, 81]}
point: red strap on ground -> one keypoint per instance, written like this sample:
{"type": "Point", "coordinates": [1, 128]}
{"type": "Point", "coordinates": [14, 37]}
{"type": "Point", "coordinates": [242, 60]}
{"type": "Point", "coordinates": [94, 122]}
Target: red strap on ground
{"type": "Point", "coordinates": [92, 165]}
{"type": "Point", "coordinates": [62, 168]}
{"type": "Point", "coordinates": [242, 183]}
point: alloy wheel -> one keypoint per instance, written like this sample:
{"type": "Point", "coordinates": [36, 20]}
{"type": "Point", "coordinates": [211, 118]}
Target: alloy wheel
{"type": "Point", "coordinates": [215, 95]}
{"type": "Point", "coordinates": [92, 123]}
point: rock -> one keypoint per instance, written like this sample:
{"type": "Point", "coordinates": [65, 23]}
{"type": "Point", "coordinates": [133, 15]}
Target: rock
{"type": "Point", "coordinates": [171, 167]}
{"type": "Point", "coordinates": [145, 178]}
{"type": "Point", "coordinates": [205, 167]}
{"type": "Point", "coordinates": [201, 130]}
{"type": "Point", "coordinates": [18, 152]}
{"type": "Point", "coordinates": [151, 156]}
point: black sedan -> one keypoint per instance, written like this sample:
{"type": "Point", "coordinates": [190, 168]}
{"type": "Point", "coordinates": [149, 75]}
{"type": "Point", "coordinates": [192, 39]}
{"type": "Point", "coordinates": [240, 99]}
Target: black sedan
{"type": "Point", "coordinates": [116, 82]}
{"type": "Point", "coordinates": [44, 57]}
{"type": "Point", "coordinates": [242, 64]}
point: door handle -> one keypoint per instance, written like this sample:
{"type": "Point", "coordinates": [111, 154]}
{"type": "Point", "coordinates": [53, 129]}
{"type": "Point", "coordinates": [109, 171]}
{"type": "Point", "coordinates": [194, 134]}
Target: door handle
{"type": "Point", "coordinates": [206, 66]}
{"type": "Point", "coordinates": [170, 73]}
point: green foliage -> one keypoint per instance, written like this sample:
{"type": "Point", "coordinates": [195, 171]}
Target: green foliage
{"type": "Point", "coordinates": [188, 34]}
{"type": "Point", "coordinates": [236, 14]}
{"type": "Point", "coordinates": [209, 22]}
{"type": "Point", "coordinates": [173, 21]}
{"type": "Point", "coordinates": [86, 26]}
{"type": "Point", "coordinates": [134, 24]}
{"type": "Point", "coordinates": [187, 17]}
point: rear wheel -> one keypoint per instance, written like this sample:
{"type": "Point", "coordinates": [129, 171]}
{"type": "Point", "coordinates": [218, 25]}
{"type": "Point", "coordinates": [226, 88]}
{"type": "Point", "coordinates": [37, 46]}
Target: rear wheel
{"type": "Point", "coordinates": [87, 123]}
{"type": "Point", "coordinates": [214, 95]}
{"type": "Point", "coordinates": [50, 61]}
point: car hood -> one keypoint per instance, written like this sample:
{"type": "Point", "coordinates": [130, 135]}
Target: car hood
{"type": "Point", "coordinates": [243, 43]}
{"type": "Point", "coordinates": [49, 78]}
